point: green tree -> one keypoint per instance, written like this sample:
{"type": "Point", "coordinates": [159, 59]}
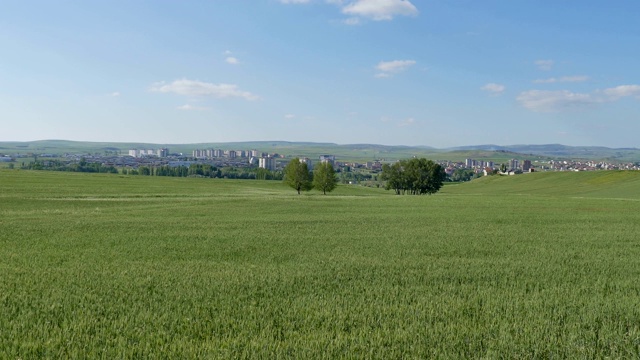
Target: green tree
{"type": "Point", "coordinates": [394, 177]}
{"type": "Point", "coordinates": [296, 175]}
{"type": "Point", "coordinates": [324, 177]}
{"type": "Point", "coordinates": [415, 176]}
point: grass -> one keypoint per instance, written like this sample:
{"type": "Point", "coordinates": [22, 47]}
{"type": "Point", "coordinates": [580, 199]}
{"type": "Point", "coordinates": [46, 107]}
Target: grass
{"type": "Point", "coordinates": [593, 184]}
{"type": "Point", "coordinates": [126, 267]}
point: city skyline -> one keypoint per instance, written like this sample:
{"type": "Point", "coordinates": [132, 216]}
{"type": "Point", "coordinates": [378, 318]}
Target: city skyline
{"type": "Point", "coordinates": [392, 72]}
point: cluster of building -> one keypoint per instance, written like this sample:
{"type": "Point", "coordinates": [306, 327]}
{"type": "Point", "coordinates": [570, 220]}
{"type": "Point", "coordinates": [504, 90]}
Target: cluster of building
{"type": "Point", "coordinates": [569, 165]}
{"type": "Point", "coordinates": [137, 153]}
{"type": "Point", "coordinates": [310, 163]}
{"type": "Point", "coordinates": [482, 167]}
{"type": "Point", "coordinates": [516, 166]}
{"type": "Point", "coordinates": [512, 165]}
{"type": "Point", "coordinates": [231, 154]}
{"type": "Point", "coordinates": [369, 165]}
{"type": "Point", "coordinates": [262, 159]}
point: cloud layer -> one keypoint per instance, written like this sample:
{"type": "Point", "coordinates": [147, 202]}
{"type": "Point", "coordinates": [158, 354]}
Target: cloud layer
{"type": "Point", "coordinates": [559, 100]}
{"type": "Point", "coordinates": [198, 88]}
{"type": "Point", "coordinates": [622, 91]}
{"type": "Point", "coordinates": [376, 10]}
{"type": "Point", "coordinates": [550, 101]}
{"type": "Point", "coordinates": [564, 79]}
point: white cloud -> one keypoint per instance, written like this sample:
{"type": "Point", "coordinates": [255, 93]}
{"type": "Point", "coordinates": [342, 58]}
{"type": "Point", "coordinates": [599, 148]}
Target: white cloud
{"type": "Point", "coordinates": [294, 1]}
{"type": "Point", "coordinates": [380, 9]}
{"type": "Point", "coordinates": [115, 94]}
{"type": "Point", "coordinates": [493, 88]}
{"type": "Point", "coordinates": [189, 107]}
{"type": "Point", "coordinates": [564, 79]}
{"type": "Point", "coordinates": [407, 122]}
{"type": "Point", "coordinates": [544, 65]}
{"type": "Point", "coordinates": [622, 91]}
{"type": "Point", "coordinates": [395, 65]}
{"type": "Point", "coordinates": [289, 116]}
{"type": "Point", "coordinates": [232, 60]}
{"type": "Point", "coordinates": [387, 68]}
{"type": "Point", "coordinates": [552, 101]}
{"type": "Point", "coordinates": [198, 88]}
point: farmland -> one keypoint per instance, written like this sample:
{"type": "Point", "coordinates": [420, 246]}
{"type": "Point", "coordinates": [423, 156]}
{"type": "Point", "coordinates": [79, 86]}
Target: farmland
{"type": "Point", "coordinates": [537, 265]}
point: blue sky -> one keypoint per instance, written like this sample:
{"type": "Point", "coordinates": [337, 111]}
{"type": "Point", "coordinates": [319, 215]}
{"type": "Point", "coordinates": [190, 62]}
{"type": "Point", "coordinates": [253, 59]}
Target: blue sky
{"type": "Point", "coordinates": [395, 72]}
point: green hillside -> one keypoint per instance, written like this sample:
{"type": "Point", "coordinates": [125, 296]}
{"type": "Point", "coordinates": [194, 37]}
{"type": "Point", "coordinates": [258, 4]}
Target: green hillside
{"type": "Point", "coordinates": [594, 184]}
{"type": "Point", "coordinates": [346, 152]}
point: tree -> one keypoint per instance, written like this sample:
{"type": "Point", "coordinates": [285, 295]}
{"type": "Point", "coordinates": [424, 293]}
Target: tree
{"type": "Point", "coordinates": [415, 176]}
{"type": "Point", "coordinates": [394, 176]}
{"type": "Point", "coordinates": [296, 175]}
{"type": "Point", "coordinates": [324, 177]}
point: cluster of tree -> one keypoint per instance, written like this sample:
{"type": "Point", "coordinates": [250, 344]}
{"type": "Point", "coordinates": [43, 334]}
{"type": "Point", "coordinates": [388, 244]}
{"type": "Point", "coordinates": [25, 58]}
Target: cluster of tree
{"type": "Point", "coordinates": [460, 175]}
{"type": "Point", "coordinates": [204, 170]}
{"type": "Point", "coordinates": [297, 175]}
{"type": "Point", "coordinates": [347, 177]}
{"type": "Point", "coordinates": [415, 176]}
{"type": "Point", "coordinates": [230, 172]}
{"type": "Point", "coordinates": [81, 166]}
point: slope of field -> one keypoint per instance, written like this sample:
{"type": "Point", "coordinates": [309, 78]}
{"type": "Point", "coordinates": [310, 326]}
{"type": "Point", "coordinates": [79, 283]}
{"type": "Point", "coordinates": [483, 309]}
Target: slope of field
{"type": "Point", "coordinates": [600, 184]}
{"type": "Point", "coordinates": [109, 266]}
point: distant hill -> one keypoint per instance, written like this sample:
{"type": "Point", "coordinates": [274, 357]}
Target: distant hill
{"type": "Point", "coordinates": [352, 152]}
{"type": "Point", "coordinates": [562, 151]}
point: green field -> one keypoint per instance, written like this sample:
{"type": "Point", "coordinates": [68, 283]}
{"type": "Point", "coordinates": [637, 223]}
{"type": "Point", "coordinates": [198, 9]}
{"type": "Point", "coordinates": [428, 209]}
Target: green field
{"type": "Point", "coordinates": [542, 265]}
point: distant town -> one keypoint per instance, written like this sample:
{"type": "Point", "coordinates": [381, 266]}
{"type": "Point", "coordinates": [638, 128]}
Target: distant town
{"type": "Point", "coordinates": [252, 159]}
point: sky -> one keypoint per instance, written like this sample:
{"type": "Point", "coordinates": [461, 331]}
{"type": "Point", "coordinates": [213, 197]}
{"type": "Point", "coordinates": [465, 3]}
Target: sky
{"type": "Point", "coordinates": [393, 72]}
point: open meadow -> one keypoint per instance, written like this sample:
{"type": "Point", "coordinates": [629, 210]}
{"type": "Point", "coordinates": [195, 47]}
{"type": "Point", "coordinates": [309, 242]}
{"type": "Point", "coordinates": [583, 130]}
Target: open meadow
{"type": "Point", "coordinates": [533, 266]}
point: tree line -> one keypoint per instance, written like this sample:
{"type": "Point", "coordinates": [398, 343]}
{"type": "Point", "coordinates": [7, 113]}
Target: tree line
{"type": "Point", "coordinates": [193, 170]}
{"type": "Point", "coordinates": [207, 171]}
{"type": "Point", "coordinates": [82, 166]}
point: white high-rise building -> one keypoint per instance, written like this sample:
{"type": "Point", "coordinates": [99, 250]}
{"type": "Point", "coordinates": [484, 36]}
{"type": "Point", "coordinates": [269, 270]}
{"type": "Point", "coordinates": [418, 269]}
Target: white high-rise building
{"type": "Point", "coordinates": [268, 163]}
{"type": "Point", "coordinates": [307, 161]}
{"type": "Point", "coordinates": [164, 152]}
{"type": "Point", "coordinates": [328, 158]}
